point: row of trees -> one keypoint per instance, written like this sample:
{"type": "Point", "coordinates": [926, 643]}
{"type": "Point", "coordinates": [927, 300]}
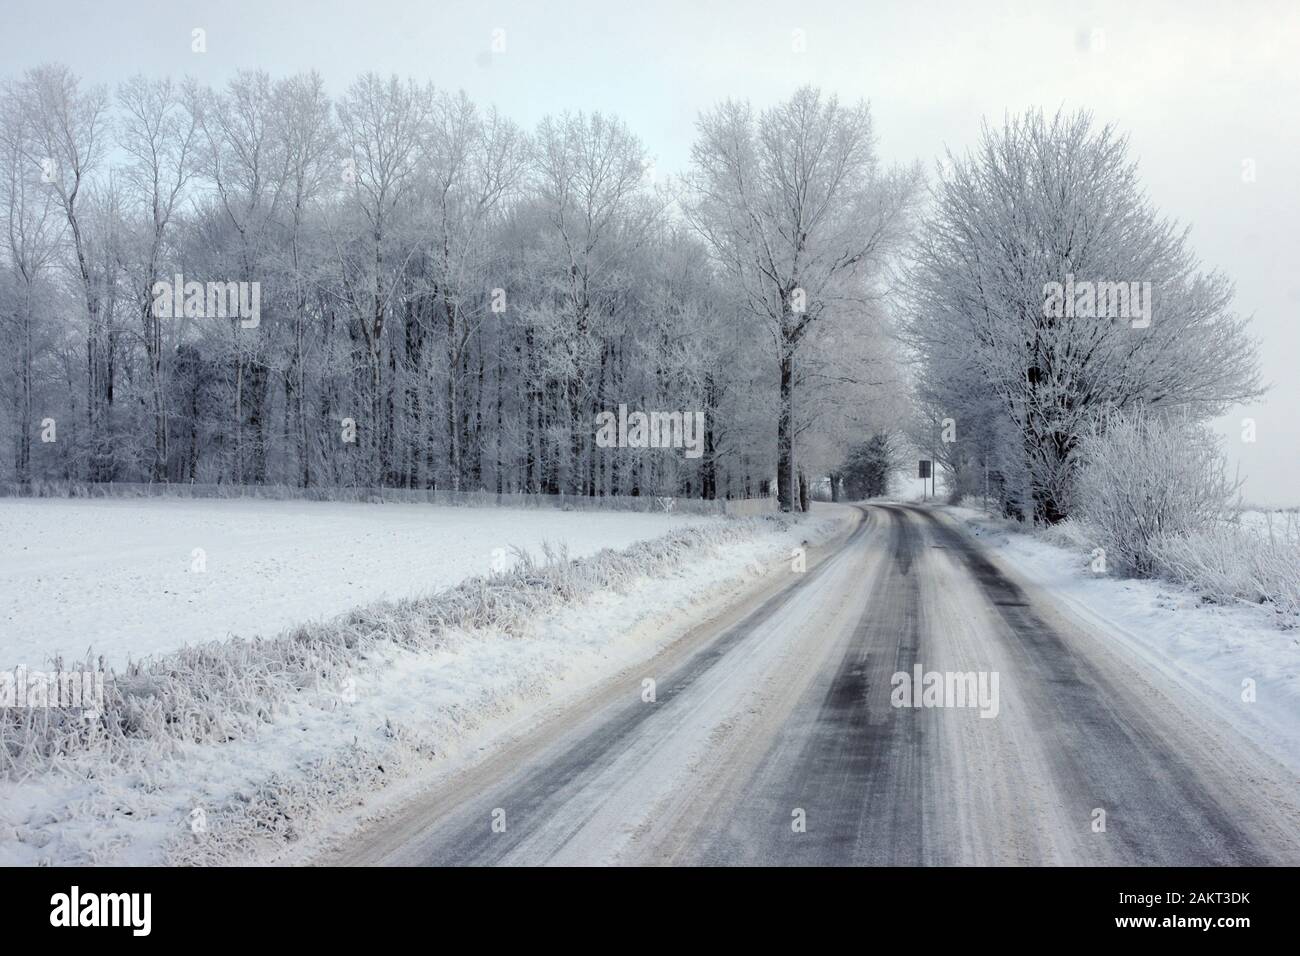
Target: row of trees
{"type": "Point", "coordinates": [1009, 383]}
{"type": "Point", "coordinates": [445, 299]}
{"type": "Point", "coordinates": [448, 300]}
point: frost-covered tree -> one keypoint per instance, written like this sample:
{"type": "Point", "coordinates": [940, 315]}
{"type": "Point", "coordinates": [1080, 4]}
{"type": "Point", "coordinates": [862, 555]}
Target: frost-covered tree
{"type": "Point", "coordinates": [1044, 208]}
{"type": "Point", "coordinates": [33, 228]}
{"type": "Point", "coordinates": [590, 184]}
{"type": "Point", "coordinates": [158, 133]}
{"type": "Point", "coordinates": [65, 141]}
{"type": "Point", "coordinates": [475, 162]}
{"type": "Point", "coordinates": [798, 212]}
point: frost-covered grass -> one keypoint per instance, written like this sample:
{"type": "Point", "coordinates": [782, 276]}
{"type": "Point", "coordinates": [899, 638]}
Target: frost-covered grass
{"type": "Point", "coordinates": [1256, 561]}
{"type": "Point", "coordinates": [267, 735]}
{"type": "Point", "coordinates": [1070, 533]}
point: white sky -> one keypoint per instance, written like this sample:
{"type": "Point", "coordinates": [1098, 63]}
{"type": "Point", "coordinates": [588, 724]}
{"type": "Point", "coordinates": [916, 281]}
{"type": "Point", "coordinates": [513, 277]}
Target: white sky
{"type": "Point", "coordinates": [1200, 87]}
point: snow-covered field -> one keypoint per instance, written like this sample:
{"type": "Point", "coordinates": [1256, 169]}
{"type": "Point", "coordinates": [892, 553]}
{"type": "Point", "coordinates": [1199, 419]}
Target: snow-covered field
{"type": "Point", "coordinates": [405, 707]}
{"type": "Point", "coordinates": [1262, 521]}
{"type": "Point", "coordinates": [121, 578]}
{"type": "Point", "coordinates": [1210, 649]}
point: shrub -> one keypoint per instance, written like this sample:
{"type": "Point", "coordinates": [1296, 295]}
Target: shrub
{"type": "Point", "coordinates": [1146, 481]}
{"type": "Point", "coordinates": [1232, 563]}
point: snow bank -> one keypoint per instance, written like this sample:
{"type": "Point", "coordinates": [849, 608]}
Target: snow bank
{"type": "Point", "coordinates": [122, 579]}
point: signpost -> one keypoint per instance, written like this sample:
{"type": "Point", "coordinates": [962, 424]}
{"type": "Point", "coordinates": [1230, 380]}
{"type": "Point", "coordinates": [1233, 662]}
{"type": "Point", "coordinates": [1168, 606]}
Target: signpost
{"type": "Point", "coordinates": [926, 470]}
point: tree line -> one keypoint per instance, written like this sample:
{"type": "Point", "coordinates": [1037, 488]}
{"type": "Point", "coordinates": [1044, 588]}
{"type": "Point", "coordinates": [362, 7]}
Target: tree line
{"type": "Point", "coordinates": [445, 300]}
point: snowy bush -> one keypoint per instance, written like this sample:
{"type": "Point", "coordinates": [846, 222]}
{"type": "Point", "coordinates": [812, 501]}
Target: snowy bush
{"type": "Point", "coordinates": [1147, 479]}
{"type": "Point", "coordinates": [1071, 533]}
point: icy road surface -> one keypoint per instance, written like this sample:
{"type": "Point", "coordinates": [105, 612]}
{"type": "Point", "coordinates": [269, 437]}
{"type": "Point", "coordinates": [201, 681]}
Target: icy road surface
{"type": "Point", "coordinates": [771, 739]}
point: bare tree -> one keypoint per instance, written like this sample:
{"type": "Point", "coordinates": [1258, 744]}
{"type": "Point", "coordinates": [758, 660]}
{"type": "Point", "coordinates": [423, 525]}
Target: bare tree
{"type": "Point", "coordinates": [384, 124]}
{"type": "Point", "coordinates": [304, 118]}
{"type": "Point", "coordinates": [67, 142]}
{"type": "Point", "coordinates": [475, 162]}
{"type": "Point", "coordinates": [244, 160]}
{"type": "Point", "coordinates": [795, 207]}
{"type": "Point", "coordinates": [589, 178]}
{"type": "Point", "coordinates": [33, 231]}
{"type": "Point", "coordinates": [158, 133]}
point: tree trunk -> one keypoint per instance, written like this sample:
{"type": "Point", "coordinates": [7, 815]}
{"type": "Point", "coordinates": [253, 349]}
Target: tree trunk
{"type": "Point", "coordinates": [785, 432]}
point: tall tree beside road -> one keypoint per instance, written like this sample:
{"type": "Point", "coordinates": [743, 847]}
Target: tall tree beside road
{"type": "Point", "coordinates": [800, 215]}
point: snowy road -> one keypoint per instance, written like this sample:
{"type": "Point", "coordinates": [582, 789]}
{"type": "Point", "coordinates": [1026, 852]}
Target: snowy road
{"type": "Point", "coordinates": [772, 740]}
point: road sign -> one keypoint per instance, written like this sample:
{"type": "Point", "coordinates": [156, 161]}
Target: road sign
{"type": "Point", "coordinates": [925, 468]}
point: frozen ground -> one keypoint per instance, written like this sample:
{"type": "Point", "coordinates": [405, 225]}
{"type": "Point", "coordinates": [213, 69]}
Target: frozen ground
{"type": "Point", "coordinates": [119, 577]}
{"type": "Point", "coordinates": [1262, 520]}
{"type": "Point", "coordinates": [1209, 649]}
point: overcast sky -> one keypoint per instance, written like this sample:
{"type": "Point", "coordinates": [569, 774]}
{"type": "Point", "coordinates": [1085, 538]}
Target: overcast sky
{"type": "Point", "coordinates": [1202, 88]}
